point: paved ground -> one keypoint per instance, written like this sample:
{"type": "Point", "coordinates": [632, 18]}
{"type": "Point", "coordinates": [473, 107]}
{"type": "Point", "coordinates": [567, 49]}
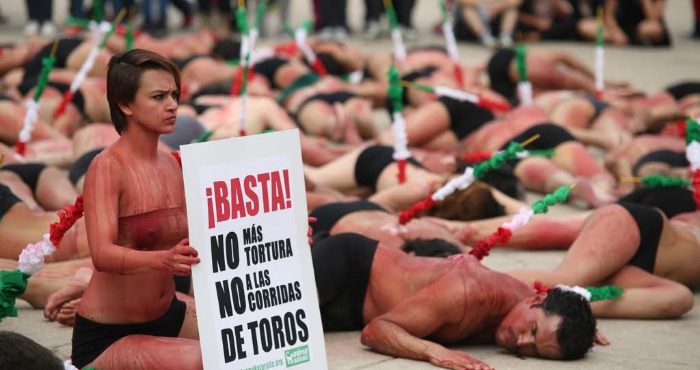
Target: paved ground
{"type": "Point", "coordinates": [636, 344]}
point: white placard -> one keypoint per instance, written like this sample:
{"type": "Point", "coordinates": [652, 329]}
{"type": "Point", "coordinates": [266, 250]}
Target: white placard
{"type": "Point", "coordinates": [255, 292]}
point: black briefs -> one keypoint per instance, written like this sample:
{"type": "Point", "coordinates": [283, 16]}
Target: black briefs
{"type": "Point", "coordinates": [7, 200]}
{"type": "Point", "coordinates": [182, 284]}
{"type": "Point", "coordinates": [330, 98]}
{"type": "Point", "coordinates": [182, 63]}
{"type": "Point", "coordinates": [419, 73]}
{"type": "Point", "coordinates": [214, 88]}
{"type": "Point", "coordinates": [650, 223]}
{"type": "Point", "coordinates": [79, 168]}
{"type": "Point", "coordinates": [372, 161]}
{"type": "Point", "coordinates": [342, 266]}
{"type": "Point", "coordinates": [331, 64]}
{"type": "Point", "coordinates": [29, 172]}
{"type": "Point", "coordinates": [670, 157]}
{"type": "Point", "coordinates": [78, 98]}
{"type": "Point", "coordinates": [63, 50]}
{"type": "Point", "coordinates": [671, 201]}
{"type": "Point", "coordinates": [683, 89]}
{"type": "Point", "coordinates": [551, 136]}
{"type": "Point", "coordinates": [465, 116]}
{"type": "Point", "coordinates": [91, 338]}
{"type": "Point", "coordinates": [5, 97]}
{"type": "Point", "coordinates": [598, 105]}
{"type": "Point", "coordinates": [499, 75]}
{"type": "Point", "coordinates": [268, 68]}
{"type": "Point", "coordinates": [328, 215]}
{"type": "Point", "coordinates": [187, 130]}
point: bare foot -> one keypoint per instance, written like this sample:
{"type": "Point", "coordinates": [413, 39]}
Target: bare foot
{"type": "Point", "coordinates": [66, 315]}
{"type": "Point", "coordinates": [593, 194]}
{"type": "Point", "coordinates": [70, 293]}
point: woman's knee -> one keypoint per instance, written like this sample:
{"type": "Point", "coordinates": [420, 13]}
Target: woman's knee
{"type": "Point", "coordinates": [650, 30]}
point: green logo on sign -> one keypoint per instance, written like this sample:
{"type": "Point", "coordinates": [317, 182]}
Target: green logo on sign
{"type": "Point", "coordinates": [296, 356]}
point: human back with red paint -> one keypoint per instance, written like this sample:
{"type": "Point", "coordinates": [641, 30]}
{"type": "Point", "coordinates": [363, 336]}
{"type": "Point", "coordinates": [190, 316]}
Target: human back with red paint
{"type": "Point", "coordinates": [130, 317]}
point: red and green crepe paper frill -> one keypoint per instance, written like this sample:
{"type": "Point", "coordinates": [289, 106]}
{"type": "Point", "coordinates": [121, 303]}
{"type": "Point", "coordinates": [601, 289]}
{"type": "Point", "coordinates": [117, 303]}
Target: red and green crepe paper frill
{"type": "Point", "coordinates": [692, 152]}
{"type": "Point", "coordinates": [395, 94]}
{"type": "Point", "coordinates": [602, 293]}
{"type": "Point", "coordinates": [47, 64]}
{"type": "Point", "coordinates": [503, 234]}
{"type": "Point", "coordinates": [14, 283]}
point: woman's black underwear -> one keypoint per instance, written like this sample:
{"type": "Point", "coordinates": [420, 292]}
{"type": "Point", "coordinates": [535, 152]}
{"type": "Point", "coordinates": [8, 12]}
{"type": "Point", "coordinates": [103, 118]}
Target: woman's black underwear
{"type": "Point", "coordinates": [7, 200]}
{"type": "Point", "coordinates": [182, 63]}
{"type": "Point", "coordinates": [670, 157]}
{"type": "Point", "coordinates": [63, 50]}
{"type": "Point", "coordinates": [268, 68]}
{"type": "Point", "coordinates": [91, 338]}
{"type": "Point", "coordinates": [465, 116]}
{"type": "Point", "coordinates": [342, 267]}
{"type": "Point", "coordinates": [671, 201]}
{"type": "Point", "coordinates": [331, 64]}
{"type": "Point", "coordinates": [499, 74]}
{"type": "Point", "coordinates": [28, 172]}
{"type": "Point", "coordinates": [551, 136]}
{"type": "Point", "coordinates": [683, 89]}
{"type": "Point", "coordinates": [328, 215]}
{"type": "Point", "coordinates": [79, 168]}
{"type": "Point", "coordinates": [330, 98]}
{"type": "Point", "coordinates": [650, 223]}
{"type": "Point", "coordinates": [598, 105]}
{"type": "Point", "coordinates": [372, 161]}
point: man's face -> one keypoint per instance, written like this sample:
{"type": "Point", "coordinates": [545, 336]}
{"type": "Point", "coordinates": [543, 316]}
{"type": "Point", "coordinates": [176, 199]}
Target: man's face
{"type": "Point", "coordinates": [527, 331]}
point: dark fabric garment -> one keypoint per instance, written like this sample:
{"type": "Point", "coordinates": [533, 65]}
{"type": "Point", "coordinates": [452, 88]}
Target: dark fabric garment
{"type": "Point", "coordinates": [182, 63]}
{"type": "Point", "coordinates": [328, 215]}
{"type": "Point", "coordinates": [598, 105]}
{"type": "Point", "coordinates": [629, 15]}
{"type": "Point", "coordinates": [499, 76]}
{"type": "Point", "coordinates": [342, 267]}
{"type": "Point", "coordinates": [28, 172]}
{"type": "Point", "coordinates": [465, 116]}
{"type": "Point", "coordinates": [372, 161]}
{"type": "Point", "coordinates": [268, 68]}
{"type": "Point", "coordinates": [670, 157]}
{"type": "Point", "coordinates": [330, 98]}
{"type": "Point", "coordinates": [683, 89]}
{"type": "Point", "coordinates": [79, 168]}
{"type": "Point", "coordinates": [182, 283]}
{"type": "Point", "coordinates": [551, 136]}
{"type": "Point", "coordinates": [650, 222]}
{"type": "Point", "coordinates": [64, 48]}
{"type": "Point", "coordinates": [5, 97]}
{"type": "Point", "coordinates": [330, 13]}
{"type": "Point", "coordinates": [91, 338]}
{"type": "Point", "coordinates": [40, 10]}
{"type": "Point", "coordinates": [671, 201]}
{"type": "Point", "coordinates": [332, 65]}
{"type": "Point", "coordinates": [7, 200]}
{"type": "Point", "coordinates": [463, 31]}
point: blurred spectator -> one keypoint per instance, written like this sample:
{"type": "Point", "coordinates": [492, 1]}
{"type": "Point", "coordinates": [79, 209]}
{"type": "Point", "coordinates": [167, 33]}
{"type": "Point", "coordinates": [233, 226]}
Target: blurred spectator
{"type": "Point", "coordinates": [40, 14]}
{"type": "Point", "coordinates": [546, 20]}
{"type": "Point", "coordinates": [630, 22]}
{"type": "Point", "coordinates": [404, 13]}
{"type": "Point", "coordinates": [696, 8]}
{"type": "Point", "coordinates": [484, 19]}
{"type": "Point", "coordinates": [219, 18]}
{"type": "Point", "coordinates": [331, 19]}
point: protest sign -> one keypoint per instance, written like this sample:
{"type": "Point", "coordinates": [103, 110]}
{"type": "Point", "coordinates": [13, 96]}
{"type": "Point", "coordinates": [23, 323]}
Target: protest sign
{"type": "Point", "coordinates": [255, 292]}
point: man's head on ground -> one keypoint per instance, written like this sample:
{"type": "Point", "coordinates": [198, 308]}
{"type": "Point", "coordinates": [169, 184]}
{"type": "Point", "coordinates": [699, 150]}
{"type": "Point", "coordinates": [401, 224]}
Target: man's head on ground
{"type": "Point", "coordinates": [20, 352]}
{"type": "Point", "coordinates": [556, 325]}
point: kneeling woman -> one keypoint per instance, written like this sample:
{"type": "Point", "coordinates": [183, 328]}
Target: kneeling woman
{"type": "Point", "coordinates": [129, 317]}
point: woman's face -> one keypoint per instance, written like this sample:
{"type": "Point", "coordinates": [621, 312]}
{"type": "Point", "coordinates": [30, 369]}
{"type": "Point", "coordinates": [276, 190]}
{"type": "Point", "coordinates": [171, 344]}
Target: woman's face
{"type": "Point", "coordinates": [156, 102]}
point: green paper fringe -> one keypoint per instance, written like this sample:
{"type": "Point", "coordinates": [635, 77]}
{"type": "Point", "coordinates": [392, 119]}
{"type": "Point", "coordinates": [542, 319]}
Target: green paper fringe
{"type": "Point", "coordinates": [12, 285]}
{"type": "Point", "coordinates": [604, 293]}
{"type": "Point", "coordinates": [558, 196]}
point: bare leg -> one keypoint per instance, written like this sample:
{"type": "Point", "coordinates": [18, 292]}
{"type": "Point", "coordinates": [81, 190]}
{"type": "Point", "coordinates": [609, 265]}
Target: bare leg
{"type": "Point", "coordinates": [54, 190]}
{"type": "Point", "coordinates": [145, 352]}
{"type": "Point", "coordinates": [608, 241]}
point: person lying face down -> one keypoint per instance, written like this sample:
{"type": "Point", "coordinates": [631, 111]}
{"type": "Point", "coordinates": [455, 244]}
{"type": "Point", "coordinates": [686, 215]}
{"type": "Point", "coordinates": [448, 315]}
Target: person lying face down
{"type": "Point", "coordinates": [397, 300]}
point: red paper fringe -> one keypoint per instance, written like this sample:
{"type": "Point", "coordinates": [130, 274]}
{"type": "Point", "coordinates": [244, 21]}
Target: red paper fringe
{"type": "Point", "coordinates": [67, 97]}
{"type": "Point", "coordinates": [540, 288]}
{"type": "Point", "coordinates": [66, 220]}
{"type": "Point", "coordinates": [696, 188]}
{"type": "Point", "coordinates": [494, 105]}
{"type": "Point", "coordinates": [21, 148]}
{"type": "Point", "coordinates": [459, 75]}
{"type": "Point", "coordinates": [319, 68]}
{"type": "Point", "coordinates": [402, 171]}
{"type": "Point", "coordinates": [289, 49]}
{"type": "Point", "coordinates": [415, 209]}
{"type": "Point", "coordinates": [477, 157]}
{"type": "Point", "coordinates": [483, 247]}
{"type": "Point", "coordinates": [177, 156]}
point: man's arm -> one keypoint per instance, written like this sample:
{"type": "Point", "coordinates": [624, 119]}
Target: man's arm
{"type": "Point", "coordinates": [399, 331]}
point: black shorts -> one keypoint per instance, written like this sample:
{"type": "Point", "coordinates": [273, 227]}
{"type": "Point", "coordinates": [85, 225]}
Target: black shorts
{"type": "Point", "coordinates": [465, 116]}
{"type": "Point", "coordinates": [551, 136]}
{"type": "Point", "coordinates": [670, 157]}
{"type": "Point", "coordinates": [28, 172]}
{"type": "Point", "coordinates": [372, 161]}
{"type": "Point", "coordinates": [683, 89]}
{"type": "Point", "coordinates": [499, 74]}
{"type": "Point", "coordinates": [268, 68]}
{"type": "Point", "coordinates": [7, 200]}
{"type": "Point", "coordinates": [79, 168]}
{"type": "Point", "coordinates": [91, 338]}
{"type": "Point", "coordinates": [328, 215]}
{"type": "Point", "coordinates": [650, 223]}
{"type": "Point", "coordinates": [342, 267]}
{"type": "Point", "coordinates": [671, 201]}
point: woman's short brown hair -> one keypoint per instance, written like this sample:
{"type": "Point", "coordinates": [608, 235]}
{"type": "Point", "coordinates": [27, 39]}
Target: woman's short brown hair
{"type": "Point", "coordinates": [473, 203]}
{"type": "Point", "coordinates": [124, 79]}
